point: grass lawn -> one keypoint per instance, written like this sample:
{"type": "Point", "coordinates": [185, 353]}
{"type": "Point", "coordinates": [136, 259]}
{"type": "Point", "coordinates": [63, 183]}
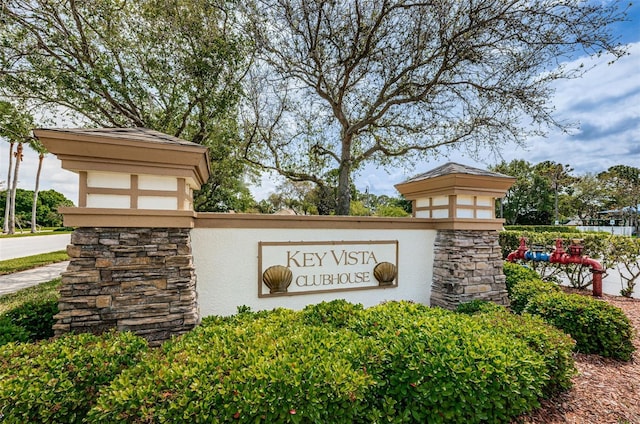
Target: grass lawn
{"type": "Point", "coordinates": [42, 292]}
{"type": "Point", "coordinates": [9, 266]}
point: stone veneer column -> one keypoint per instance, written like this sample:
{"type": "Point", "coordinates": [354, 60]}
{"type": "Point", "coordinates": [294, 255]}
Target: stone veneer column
{"type": "Point", "coordinates": [136, 279]}
{"type": "Point", "coordinates": [467, 266]}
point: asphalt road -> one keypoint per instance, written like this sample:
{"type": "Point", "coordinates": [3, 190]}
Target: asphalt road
{"type": "Point", "coordinates": [18, 247]}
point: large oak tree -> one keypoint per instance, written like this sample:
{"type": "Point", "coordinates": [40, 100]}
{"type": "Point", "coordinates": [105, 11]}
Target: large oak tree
{"type": "Point", "coordinates": [170, 65]}
{"type": "Point", "coordinates": [342, 83]}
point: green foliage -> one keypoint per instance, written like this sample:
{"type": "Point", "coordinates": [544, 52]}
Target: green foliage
{"type": "Point", "coordinates": [542, 228]}
{"type": "Point", "coordinates": [523, 293]}
{"type": "Point", "coordinates": [20, 264]}
{"type": "Point", "coordinates": [554, 345]}
{"type": "Point", "coordinates": [41, 293]}
{"type": "Point", "coordinates": [272, 369]}
{"type": "Point", "coordinates": [36, 318]}
{"type": "Point", "coordinates": [47, 212]}
{"type": "Point", "coordinates": [437, 366]}
{"type": "Point", "coordinates": [59, 381]}
{"type": "Point", "coordinates": [626, 256]}
{"type": "Point", "coordinates": [357, 208]}
{"type": "Point", "coordinates": [391, 211]}
{"type": "Point", "coordinates": [10, 332]}
{"type": "Point", "coordinates": [338, 362]}
{"type": "Point", "coordinates": [337, 313]}
{"type": "Point", "coordinates": [596, 326]}
{"type": "Point", "coordinates": [477, 306]}
{"type": "Point", "coordinates": [516, 273]}
{"type": "Point", "coordinates": [172, 66]}
{"type": "Point", "coordinates": [529, 200]}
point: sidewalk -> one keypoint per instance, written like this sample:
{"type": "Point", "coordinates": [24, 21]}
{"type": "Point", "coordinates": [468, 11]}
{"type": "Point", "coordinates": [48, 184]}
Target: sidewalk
{"type": "Point", "coordinates": [19, 280]}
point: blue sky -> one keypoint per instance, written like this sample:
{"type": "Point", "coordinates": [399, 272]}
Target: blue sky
{"type": "Point", "coordinates": [605, 103]}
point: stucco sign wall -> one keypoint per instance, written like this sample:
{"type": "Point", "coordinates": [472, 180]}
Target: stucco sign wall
{"type": "Point", "coordinates": [297, 268]}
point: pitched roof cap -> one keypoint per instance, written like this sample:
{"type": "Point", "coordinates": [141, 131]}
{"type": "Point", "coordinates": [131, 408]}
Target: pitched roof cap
{"type": "Point", "coordinates": [455, 168]}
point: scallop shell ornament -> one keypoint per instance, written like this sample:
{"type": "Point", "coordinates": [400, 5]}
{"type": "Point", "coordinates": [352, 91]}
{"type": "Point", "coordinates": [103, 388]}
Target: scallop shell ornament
{"type": "Point", "coordinates": [277, 278]}
{"type": "Point", "coordinates": [385, 273]}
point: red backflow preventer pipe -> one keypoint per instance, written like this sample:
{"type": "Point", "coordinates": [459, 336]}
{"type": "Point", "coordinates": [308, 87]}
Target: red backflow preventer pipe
{"type": "Point", "coordinates": [560, 256]}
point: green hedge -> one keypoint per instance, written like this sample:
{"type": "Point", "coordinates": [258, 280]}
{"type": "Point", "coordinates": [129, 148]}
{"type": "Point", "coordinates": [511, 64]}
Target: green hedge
{"type": "Point", "coordinates": [267, 369]}
{"type": "Point", "coordinates": [524, 293]}
{"type": "Point", "coordinates": [34, 319]}
{"type": "Point", "coordinates": [58, 381]}
{"type": "Point", "coordinates": [334, 362]}
{"type": "Point", "coordinates": [596, 245]}
{"type": "Point", "coordinates": [542, 228]}
{"type": "Point", "coordinates": [340, 363]}
{"type": "Point", "coordinates": [10, 332]}
{"type": "Point", "coordinates": [515, 274]}
{"type": "Point", "coordinates": [440, 367]}
{"type": "Point", "coordinates": [554, 345]}
{"type": "Point", "coordinates": [596, 326]}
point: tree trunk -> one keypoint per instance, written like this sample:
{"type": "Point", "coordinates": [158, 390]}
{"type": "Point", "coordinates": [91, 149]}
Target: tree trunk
{"type": "Point", "coordinates": [7, 206]}
{"type": "Point", "coordinates": [34, 207]}
{"type": "Point", "coordinates": [556, 220]}
{"type": "Point", "coordinates": [344, 174]}
{"type": "Point", "coordinates": [16, 170]}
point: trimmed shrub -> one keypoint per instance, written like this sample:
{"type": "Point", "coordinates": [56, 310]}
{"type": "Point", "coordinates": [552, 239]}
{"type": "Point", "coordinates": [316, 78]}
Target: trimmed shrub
{"type": "Point", "coordinates": [59, 380]}
{"type": "Point", "coordinates": [9, 332]}
{"type": "Point", "coordinates": [516, 273]}
{"type": "Point", "coordinates": [554, 345]}
{"type": "Point", "coordinates": [478, 306]}
{"type": "Point", "coordinates": [270, 369]}
{"type": "Point", "coordinates": [36, 317]}
{"type": "Point", "coordinates": [596, 326]}
{"type": "Point", "coordinates": [336, 313]}
{"type": "Point", "coordinates": [437, 366]}
{"type": "Point", "coordinates": [336, 362]}
{"type": "Point", "coordinates": [521, 294]}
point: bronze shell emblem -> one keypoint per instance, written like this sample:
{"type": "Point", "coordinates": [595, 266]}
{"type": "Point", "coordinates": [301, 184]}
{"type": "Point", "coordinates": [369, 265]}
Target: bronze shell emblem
{"type": "Point", "coordinates": [277, 278]}
{"type": "Point", "coordinates": [385, 273]}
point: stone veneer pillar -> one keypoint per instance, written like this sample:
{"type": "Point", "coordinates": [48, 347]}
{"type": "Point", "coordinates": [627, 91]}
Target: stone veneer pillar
{"type": "Point", "coordinates": [460, 202]}
{"type": "Point", "coordinates": [467, 266]}
{"type": "Point", "coordinates": [136, 279]}
{"type": "Point", "coordinates": [131, 264]}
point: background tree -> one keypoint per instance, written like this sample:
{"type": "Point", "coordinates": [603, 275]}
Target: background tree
{"type": "Point", "coordinates": [530, 198]}
{"type": "Point", "coordinates": [169, 65]}
{"type": "Point", "coordinates": [559, 178]}
{"type": "Point", "coordinates": [15, 127]}
{"type": "Point", "coordinates": [39, 148]}
{"type": "Point", "coordinates": [587, 198]}
{"type": "Point", "coordinates": [345, 83]}
{"type": "Point", "coordinates": [623, 184]}
{"type": "Point", "coordinates": [47, 210]}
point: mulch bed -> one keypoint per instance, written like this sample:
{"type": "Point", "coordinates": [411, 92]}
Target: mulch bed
{"type": "Point", "coordinates": [604, 391]}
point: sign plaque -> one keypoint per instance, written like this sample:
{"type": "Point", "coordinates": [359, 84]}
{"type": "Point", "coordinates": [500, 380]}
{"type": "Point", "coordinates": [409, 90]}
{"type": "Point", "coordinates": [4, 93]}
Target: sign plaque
{"type": "Point", "coordinates": [298, 268]}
